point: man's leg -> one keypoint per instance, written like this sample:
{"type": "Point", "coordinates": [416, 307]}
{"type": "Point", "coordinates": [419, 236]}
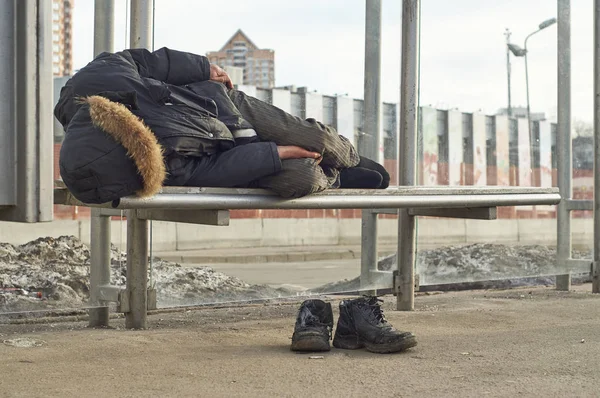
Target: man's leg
{"type": "Point", "coordinates": [298, 177]}
{"type": "Point", "coordinates": [274, 124]}
{"type": "Point", "coordinates": [237, 167]}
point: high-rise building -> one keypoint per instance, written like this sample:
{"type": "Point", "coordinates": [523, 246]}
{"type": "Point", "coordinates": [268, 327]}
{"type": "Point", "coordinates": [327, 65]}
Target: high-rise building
{"type": "Point", "coordinates": [62, 40]}
{"type": "Point", "coordinates": [240, 51]}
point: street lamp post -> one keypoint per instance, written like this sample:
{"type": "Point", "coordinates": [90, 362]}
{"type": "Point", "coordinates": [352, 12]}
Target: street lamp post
{"type": "Point", "coordinates": [522, 52]}
{"type": "Point", "coordinates": [507, 34]}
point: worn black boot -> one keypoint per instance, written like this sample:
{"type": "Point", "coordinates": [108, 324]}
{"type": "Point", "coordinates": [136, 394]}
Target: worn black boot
{"type": "Point", "coordinates": [313, 327]}
{"type": "Point", "coordinates": [362, 324]}
{"type": "Point", "coordinates": [372, 165]}
{"type": "Point", "coordinates": [359, 177]}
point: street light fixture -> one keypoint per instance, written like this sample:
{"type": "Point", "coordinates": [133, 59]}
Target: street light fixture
{"type": "Point", "coordinates": [522, 52]}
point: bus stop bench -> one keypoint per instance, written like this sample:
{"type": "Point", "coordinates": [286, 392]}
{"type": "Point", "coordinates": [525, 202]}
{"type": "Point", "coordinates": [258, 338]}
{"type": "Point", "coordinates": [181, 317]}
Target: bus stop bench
{"type": "Point", "coordinates": [211, 206]}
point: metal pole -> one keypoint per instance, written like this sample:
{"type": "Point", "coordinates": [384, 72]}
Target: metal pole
{"type": "Point", "coordinates": [372, 108]}
{"type": "Point", "coordinates": [104, 21]}
{"type": "Point", "coordinates": [409, 103]}
{"type": "Point", "coordinates": [137, 271]}
{"type": "Point", "coordinates": [26, 107]}
{"type": "Point", "coordinates": [596, 267]}
{"type": "Point", "coordinates": [531, 138]}
{"type": "Point", "coordinates": [45, 120]}
{"type": "Point", "coordinates": [27, 111]}
{"type": "Point", "coordinates": [142, 16]}
{"type": "Point", "coordinates": [563, 141]}
{"type": "Point", "coordinates": [104, 24]}
{"type": "Point", "coordinates": [8, 73]}
{"type": "Point", "coordinates": [368, 254]}
{"type": "Point", "coordinates": [507, 33]}
{"type": "Point", "coordinates": [99, 267]}
{"type": "Point", "coordinates": [529, 129]}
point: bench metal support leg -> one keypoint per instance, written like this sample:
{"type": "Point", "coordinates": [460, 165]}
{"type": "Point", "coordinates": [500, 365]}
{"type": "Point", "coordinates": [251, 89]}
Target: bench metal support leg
{"type": "Point", "coordinates": [137, 271]}
{"type": "Point", "coordinates": [405, 288]}
{"type": "Point", "coordinates": [368, 256]}
{"type": "Point", "coordinates": [99, 267]}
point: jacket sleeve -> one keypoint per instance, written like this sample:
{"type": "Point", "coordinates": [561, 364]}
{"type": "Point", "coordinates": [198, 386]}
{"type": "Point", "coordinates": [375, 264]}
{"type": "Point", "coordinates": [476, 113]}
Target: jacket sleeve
{"type": "Point", "coordinates": [171, 66]}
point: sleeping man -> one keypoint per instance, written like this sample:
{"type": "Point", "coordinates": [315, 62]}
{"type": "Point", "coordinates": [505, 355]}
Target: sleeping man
{"type": "Point", "coordinates": [137, 120]}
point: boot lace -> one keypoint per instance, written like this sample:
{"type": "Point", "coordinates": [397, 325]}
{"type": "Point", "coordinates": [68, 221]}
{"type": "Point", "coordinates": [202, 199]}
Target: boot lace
{"type": "Point", "coordinates": [374, 304]}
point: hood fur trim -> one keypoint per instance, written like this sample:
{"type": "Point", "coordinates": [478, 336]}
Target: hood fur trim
{"type": "Point", "coordinates": [139, 141]}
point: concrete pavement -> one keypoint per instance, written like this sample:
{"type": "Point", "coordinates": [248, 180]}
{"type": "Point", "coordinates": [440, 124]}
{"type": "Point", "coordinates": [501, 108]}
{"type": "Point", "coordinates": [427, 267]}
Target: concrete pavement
{"type": "Point", "coordinates": [273, 254]}
{"type": "Point", "coordinates": [522, 342]}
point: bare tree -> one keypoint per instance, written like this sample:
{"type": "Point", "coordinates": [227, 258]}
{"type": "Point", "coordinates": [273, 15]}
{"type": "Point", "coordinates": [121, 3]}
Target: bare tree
{"type": "Point", "coordinates": [582, 128]}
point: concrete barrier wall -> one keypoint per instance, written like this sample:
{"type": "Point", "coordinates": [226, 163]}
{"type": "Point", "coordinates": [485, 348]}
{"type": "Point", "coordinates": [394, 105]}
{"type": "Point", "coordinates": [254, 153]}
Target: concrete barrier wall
{"type": "Point", "coordinates": [266, 232]}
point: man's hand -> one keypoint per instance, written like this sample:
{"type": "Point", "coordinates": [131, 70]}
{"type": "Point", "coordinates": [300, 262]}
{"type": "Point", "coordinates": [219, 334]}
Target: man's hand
{"type": "Point", "coordinates": [219, 75]}
{"type": "Point", "coordinates": [295, 152]}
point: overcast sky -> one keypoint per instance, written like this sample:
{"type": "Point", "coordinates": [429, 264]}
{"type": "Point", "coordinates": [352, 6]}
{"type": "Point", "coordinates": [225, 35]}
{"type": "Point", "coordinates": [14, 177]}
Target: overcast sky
{"type": "Point", "coordinates": [320, 44]}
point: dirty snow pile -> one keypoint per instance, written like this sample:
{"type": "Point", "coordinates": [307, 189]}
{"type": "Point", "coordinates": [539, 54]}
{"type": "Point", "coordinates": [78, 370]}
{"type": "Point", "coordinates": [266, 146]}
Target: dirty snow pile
{"type": "Point", "coordinates": [479, 265]}
{"type": "Point", "coordinates": [54, 273]}
{"type": "Point", "coordinates": [483, 261]}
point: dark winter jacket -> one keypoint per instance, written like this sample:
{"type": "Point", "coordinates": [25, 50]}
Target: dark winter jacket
{"type": "Point", "coordinates": [100, 161]}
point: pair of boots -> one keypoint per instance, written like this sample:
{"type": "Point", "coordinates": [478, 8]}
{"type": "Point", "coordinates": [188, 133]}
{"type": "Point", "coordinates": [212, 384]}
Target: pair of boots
{"type": "Point", "coordinates": [361, 325]}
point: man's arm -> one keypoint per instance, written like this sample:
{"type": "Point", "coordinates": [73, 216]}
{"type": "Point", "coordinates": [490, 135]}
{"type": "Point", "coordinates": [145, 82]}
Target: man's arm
{"type": "Point", "coordinates": [171, 66]}
{"type": "Point", "coordinates": [177, 67]}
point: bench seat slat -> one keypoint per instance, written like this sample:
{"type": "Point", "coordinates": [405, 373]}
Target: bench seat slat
{"type": "Point", "coordinates": [396, 197]}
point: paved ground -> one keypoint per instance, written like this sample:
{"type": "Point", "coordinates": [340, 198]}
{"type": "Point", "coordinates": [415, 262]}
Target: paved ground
{"type": "Point", "coordinates": [301, 275]}
{"type": "Point", "coordinates": [261, 254]}
{"type": "Point", "coordinates": [496, 343]}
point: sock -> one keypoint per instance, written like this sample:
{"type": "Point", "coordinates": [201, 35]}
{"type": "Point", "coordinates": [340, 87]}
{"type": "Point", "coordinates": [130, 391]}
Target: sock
{"type": "Point", "coordinates": [359, 177]}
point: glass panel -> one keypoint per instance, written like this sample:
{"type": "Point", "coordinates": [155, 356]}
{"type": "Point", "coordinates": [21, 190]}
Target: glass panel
{"type": "Point", "coordinates": [470, 74]}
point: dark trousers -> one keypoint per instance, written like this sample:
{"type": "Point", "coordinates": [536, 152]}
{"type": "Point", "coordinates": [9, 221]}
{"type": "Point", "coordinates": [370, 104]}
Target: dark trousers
{"type": "Point", "coordinates": [295, 177]}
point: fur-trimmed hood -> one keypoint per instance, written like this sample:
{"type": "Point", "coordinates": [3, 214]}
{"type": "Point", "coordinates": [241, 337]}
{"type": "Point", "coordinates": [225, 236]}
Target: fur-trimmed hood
{"type": "Point", "coordinates": [131, 132]}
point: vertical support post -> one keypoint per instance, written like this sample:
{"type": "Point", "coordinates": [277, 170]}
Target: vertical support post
{"type": "Point", "coordinates": [26, 140]}
{"type": "Point", "coordinates": [104, 20]}
{"type": "Point", "coordinates": [596, 267]}
{"type": "Point", "coordinates": [99, 267]}
{"type": "Point", "coordinates": [372, 109]}
{"type": "Point", "coordinates": [104, 26]}
{"type": "Point", "coordinates": [563, 141]}
{"type": "Point", "coordinates": [8, 74]}
{"type": "Point", "coordinates": [368, 254]}
{"type": "Point", "coordinates": [142, 17]}
{"type": "Point", "coordinates": [43, 161]}
{"type": "Point", "coordinates": [409, 102]}
{"type": "Point", "coordinates": [137, 271]}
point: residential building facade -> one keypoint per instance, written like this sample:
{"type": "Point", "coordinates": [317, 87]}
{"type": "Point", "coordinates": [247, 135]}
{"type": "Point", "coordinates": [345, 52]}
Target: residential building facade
{"type": "Point", "coordinates": [239, 51]}
{"type": "Point", "coordinates": [62, 37]}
